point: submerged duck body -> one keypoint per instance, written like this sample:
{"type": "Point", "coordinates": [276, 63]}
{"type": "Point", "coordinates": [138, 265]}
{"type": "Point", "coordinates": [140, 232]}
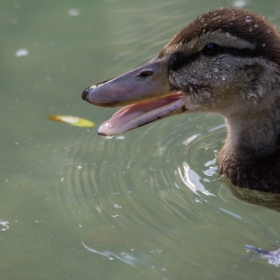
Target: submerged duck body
{"type": "Point", "coordinates": [227, 62]}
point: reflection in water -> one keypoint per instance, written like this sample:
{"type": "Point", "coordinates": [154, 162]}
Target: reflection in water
{"type": "Point", "coordinates": [192, 180]}
{"type": "Point", "coordinates": [135, 243]}
{"type": "Point", "coordinates": [231, 213]}
{"type": "Point", "coordinates": [136, 256]}
{"type": "Point", "coordinates": [21, 52]}
{"type": "Point", "coordinates": [134, 202]}
{"type": "Point", "coordinates": [5, 225]}
{"type": "Point", "coordinates": [268, 200]}
{"type": "Point", "coordinates": [273, 257]}
{"type": "Point", "coordinates": [123, 256]}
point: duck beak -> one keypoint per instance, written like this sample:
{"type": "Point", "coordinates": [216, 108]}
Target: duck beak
{"type": "Point", "coordinates": [146, 93]}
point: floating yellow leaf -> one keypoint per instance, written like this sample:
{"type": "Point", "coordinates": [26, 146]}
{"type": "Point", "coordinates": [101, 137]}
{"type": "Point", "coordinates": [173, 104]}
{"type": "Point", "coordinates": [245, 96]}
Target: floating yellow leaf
{"type": "Point", "coordinates": [72, 120]}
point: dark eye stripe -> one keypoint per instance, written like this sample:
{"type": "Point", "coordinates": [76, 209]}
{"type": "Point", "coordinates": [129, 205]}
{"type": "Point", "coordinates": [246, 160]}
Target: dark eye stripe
{"type": "Point", "coordinates": [178, 60]}
{"type": "Point", "coordinates": [240, 52]}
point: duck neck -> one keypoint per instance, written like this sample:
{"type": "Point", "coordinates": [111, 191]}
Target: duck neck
{"type": "Point", "coordinates": [255, 133]}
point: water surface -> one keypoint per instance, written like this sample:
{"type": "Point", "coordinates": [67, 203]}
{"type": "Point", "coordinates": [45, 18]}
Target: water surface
{"type": "Point", "coordinates": [147, 204]}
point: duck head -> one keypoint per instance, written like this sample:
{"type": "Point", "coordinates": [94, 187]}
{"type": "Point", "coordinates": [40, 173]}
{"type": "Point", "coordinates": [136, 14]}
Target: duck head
{"type": "Point", "coordinates": [226, 61]}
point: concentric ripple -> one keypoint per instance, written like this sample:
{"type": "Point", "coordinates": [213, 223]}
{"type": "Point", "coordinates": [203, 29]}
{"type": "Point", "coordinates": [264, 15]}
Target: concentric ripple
{"type": "Point", "coordinates": [152, 197]}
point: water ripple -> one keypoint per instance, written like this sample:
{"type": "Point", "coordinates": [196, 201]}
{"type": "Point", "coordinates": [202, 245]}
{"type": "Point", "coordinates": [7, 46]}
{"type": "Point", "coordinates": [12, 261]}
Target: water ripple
{"type": "Point", "coordinates": [140, 197]}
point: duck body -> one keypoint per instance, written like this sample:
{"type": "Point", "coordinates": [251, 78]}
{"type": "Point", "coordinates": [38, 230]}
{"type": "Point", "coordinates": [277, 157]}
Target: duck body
{"type": "Point", "coordinates": [250, 170]}
{"type": "Point", "coordinates": [226, 61]}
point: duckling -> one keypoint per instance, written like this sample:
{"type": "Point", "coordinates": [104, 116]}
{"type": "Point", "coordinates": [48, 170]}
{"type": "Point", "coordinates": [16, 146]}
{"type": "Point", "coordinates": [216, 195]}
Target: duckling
{"type": "Point", "coordinates": [226, 61]}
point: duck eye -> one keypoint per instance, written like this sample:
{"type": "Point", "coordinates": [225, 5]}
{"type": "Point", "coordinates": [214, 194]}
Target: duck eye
{"type": "Point", "coordinates": [211, 49]}
{"type": "Point", "coordinates": [146, 73]}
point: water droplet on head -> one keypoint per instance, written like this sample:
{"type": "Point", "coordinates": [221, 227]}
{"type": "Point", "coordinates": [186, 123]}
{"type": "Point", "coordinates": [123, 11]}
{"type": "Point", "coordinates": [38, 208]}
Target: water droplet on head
{"type": "Point", "coordinates": [216, 70]}
{"type": "Point", "coordinates": [248, 18]}
{"type": "Point", "coordinates": [213, 59]}
{"type": "Point", "coordinates": [250, 29]}
{"type": "Point", "coordinates": [207, 75]}
{"type": "Point", "coordinates": [256, 25]}
{"type": "Point", "coordinates": [202, 20]}
{"type": "Point", "coordinates": [223, 78]}
{"type": "Point", "coordinates": [227, 35]}
{"type": "Point", "coordinates": [193, 81]}
{"type": "Point", "coordinates": [268, 30]}
{"type": "Point", "coordinates": [263, 45]}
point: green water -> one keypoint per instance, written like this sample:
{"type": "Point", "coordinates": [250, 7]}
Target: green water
{"type": "Point", "coordinates": [147, 204]}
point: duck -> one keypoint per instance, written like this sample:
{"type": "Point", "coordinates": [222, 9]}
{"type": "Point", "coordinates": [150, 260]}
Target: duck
{"type": "Point", "coordinates": [227, 62]}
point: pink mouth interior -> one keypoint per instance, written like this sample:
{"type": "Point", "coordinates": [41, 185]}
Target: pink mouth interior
{"type": "Point", "coordinates": [138, 114]}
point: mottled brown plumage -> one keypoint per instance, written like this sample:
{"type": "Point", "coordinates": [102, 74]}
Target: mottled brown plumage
{"type": "Point", "coordinates": [251, 170]}
{"type": "Point", "coordinates": [227, 62]}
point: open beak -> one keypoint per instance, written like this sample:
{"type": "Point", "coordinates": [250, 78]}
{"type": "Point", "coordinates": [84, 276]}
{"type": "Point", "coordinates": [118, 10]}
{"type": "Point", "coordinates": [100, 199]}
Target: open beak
{"type": "Point", "coordinates": [146, 93]}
